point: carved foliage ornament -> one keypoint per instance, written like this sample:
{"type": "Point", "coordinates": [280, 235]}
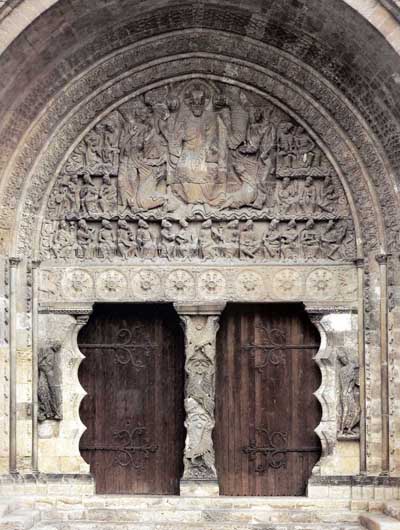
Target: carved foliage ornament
{"type": "Point", "coordinates": [201, 171]}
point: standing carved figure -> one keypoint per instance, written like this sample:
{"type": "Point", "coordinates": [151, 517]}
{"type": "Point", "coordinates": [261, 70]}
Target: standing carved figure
{"type": "Point", "coordinates": [49, 387]}
{"type": "Point", "coordinates": [349, 387]}
{"type": "Point", "coordinates": [144, 158]}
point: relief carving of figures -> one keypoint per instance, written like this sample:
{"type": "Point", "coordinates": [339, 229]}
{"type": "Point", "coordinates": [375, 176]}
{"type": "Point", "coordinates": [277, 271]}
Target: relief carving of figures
{"type": "Point", "coordinates": [310, 241]}
{"type": "Point", "coordinates": [49, 388]}
{"type": "Point", "coordinates": [145, 240]}
{"type": "Point", "coordinates": [349, 396]}
{"type": "Point", "coordinates": [249, 241]}
{"type": "Point", "coordinates": [144, 159]}
{"type": "Point", "coordinates": [107, 240]}
{"type": "Point", "coordinates": [199, 457]}
{"type": "Point", "coordinates": [199, 170]}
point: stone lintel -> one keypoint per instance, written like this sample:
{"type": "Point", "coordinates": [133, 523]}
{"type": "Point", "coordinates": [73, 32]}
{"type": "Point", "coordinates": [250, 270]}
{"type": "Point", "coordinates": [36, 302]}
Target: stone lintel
{"type": "Point", "coordinates": [199, 309]}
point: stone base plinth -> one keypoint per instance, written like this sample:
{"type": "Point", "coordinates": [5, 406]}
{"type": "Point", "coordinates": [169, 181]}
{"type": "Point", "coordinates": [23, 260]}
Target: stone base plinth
{"type": "Point", "coordinates": [199, 488]}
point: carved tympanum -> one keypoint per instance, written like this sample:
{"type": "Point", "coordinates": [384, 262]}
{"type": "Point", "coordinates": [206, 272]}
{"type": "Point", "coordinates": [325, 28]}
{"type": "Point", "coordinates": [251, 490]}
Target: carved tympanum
{"type": "Point", "coordinates": [49, 389]}
{"type": "Point", "coordinates": [198, 170]}
{"type": "Point", "coordinates": [349, 396]}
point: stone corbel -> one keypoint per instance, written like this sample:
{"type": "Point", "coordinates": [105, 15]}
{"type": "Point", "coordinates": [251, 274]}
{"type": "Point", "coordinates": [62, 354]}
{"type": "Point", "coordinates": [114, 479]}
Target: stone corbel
{"type": "Point", "coordinates": [201, 324]}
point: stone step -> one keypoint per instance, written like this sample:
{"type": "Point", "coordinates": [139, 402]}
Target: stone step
{"type": "Point", "coordinates": [73, 525]}
{"type": "Point", "coordinates": [378, 521]}
{"type": "Point", "coordinates": [190, 515]}
{"type": "Point", "coordinates": [4, 509]}
{"type": "Point", "coordinates": [20, 520]}
{"type": "Point", "coordinates": [183, 503]}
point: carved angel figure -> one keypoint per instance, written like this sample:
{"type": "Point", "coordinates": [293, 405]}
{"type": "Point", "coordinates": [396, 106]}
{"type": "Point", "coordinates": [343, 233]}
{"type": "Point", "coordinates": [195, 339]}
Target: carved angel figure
{"type": "Point", "coordinates": [349, 387]}
{"type": "Point", "coordinates": [144, 157]}
{"type": "Point", "coordinates": [49, 393]}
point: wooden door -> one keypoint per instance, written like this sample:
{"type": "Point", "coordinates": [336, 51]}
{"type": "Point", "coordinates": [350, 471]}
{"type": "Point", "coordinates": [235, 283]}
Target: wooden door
{"type": "Point", "coordinates": [133, 373]}
{"type": "Point", "coordinates": [266, 412]}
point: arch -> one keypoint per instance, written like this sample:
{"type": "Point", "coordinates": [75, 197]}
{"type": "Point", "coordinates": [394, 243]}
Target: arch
{"type": "Point", "coordinates": [346, 100]}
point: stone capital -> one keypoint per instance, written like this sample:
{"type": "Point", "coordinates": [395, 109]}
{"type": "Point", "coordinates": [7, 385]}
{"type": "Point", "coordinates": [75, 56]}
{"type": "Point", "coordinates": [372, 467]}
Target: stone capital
{"type": "Point", "coordinates": [382, 259]}
{"type": "Point", "coordinates": [14, 262]}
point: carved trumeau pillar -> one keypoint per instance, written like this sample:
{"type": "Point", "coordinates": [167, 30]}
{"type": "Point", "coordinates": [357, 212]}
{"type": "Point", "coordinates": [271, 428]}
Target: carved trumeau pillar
{"type": "Point", "coordinates": [201, 324]}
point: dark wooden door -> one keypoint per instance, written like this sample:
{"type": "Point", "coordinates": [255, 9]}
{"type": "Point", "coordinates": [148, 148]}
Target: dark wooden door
{"type": "Point", "coordinates": [266, 411]}
{"type": "Point", "coordinates": [133, 373]}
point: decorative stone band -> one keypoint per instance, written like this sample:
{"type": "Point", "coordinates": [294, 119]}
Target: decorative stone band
{"type": "Point", "coordinates": [332, 284]}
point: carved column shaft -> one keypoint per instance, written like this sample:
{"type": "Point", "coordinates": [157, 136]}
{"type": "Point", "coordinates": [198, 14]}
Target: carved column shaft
{"type": "Point", "coordinates": [201, 325]}
{"type": "Point", "coordinates": [35, 368]}
{"type": "Point", "coordinates": [13, 364]}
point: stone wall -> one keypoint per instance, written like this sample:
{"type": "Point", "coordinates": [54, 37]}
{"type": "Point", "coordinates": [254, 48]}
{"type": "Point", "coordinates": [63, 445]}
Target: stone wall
{"type": "Point", "coordinates": [323, 67]}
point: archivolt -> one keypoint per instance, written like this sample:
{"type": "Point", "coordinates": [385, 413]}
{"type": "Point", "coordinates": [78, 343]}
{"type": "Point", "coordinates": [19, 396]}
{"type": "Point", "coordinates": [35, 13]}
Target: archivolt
{"type": "Point", "coordinates": [104, 86]}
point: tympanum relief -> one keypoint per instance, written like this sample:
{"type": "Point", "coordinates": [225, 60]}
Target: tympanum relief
{"type": "Point", "coordinates": [198, 170]}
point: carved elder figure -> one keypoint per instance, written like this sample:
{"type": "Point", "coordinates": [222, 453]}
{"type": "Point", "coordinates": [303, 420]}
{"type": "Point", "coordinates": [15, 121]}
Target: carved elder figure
{"type": "Point", "coordinates": [49, 392]}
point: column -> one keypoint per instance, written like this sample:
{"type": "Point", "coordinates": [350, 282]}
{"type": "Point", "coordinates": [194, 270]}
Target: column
{"type": "Point", "coordinates": [13, 364]}
{"type": "Point", "coordinates": [201, 325]}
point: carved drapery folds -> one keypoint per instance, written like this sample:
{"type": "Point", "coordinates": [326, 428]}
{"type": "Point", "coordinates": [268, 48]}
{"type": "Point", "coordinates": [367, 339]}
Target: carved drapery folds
{"type": "Point", "coordinates": [49, 383]}
{"type": "Point", "coordinates": [201, 326]}
{"type": "Point", "coordinates": [201, 171]}
{"type": "Point", "coordinates": [349, 396]}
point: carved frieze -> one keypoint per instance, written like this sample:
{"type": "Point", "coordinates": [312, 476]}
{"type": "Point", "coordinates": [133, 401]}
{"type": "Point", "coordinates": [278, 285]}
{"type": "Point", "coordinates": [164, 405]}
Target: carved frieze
{"type": "Point", "coordinates": [330, 284]}
{"type": "Point", "coordinates": [199, 171]}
